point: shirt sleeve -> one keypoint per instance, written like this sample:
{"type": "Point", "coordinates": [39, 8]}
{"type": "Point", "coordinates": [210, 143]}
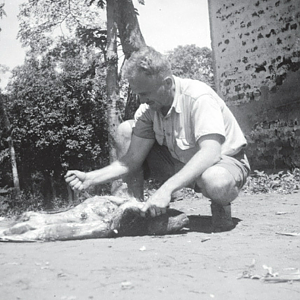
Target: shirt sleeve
{"type": "Point", "coordinates": [143, 127]}
{"type": "Point", "coordinates": [207, 117]}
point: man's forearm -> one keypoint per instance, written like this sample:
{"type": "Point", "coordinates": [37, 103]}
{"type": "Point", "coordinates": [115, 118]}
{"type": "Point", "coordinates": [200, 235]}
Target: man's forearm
{"type": "Point", "coordinates": [112, 172]}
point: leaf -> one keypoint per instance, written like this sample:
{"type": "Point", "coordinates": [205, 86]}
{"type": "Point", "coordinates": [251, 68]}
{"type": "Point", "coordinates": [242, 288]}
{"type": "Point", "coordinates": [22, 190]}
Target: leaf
{"type": "Point", "coordinates": [100, 3]}
{"type": "Point", "coordinates": [4, 154]}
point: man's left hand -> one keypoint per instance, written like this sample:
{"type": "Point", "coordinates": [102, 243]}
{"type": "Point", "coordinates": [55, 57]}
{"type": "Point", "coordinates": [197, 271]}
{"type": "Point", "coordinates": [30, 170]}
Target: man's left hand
{"type": "Point", "coordinates": [157, 204]}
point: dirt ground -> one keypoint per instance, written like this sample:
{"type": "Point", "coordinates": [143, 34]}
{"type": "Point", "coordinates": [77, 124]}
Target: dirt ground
{"type": "Point", "coordinates": [195, 264]}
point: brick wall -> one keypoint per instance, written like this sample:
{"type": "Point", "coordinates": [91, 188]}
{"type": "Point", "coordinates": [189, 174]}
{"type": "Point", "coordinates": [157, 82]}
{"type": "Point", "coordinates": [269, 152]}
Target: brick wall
{"type": "Point", "coordinates": [256, 48]}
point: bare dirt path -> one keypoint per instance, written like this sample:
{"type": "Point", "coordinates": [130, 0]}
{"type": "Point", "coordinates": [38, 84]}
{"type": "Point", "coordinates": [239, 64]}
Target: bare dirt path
{"type": "Point", "coordinates": [193, 265]}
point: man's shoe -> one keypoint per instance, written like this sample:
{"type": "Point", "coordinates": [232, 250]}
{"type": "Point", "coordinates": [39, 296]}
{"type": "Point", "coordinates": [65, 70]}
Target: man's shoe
{"type": "Point", "coordinates": [221, 217]}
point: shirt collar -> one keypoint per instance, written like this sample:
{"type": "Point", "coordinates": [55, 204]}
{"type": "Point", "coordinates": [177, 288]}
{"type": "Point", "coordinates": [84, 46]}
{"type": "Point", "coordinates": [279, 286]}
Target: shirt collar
{"type": "Point", "coordinates": [177, 97]}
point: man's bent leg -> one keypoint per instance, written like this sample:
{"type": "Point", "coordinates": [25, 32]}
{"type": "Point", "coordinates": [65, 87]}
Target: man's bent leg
{"type": "Point", "coordinates": [218, 184]}
{"type": "Point", "coordinates": [135, 180]}
{"type": "Point", "coordinates": [162, 166]}
{"type": "Point", "coordinates": [159, 161]}
{"type": "Point", "coordinates": [221, 183]}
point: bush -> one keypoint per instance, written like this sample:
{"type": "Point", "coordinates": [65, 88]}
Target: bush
{"type": "Point", "coordinates": [13, 205]}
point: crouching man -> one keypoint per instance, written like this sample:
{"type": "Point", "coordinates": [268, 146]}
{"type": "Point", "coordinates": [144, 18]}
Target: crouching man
{"type": "Point", "coordinates": [185, 134]}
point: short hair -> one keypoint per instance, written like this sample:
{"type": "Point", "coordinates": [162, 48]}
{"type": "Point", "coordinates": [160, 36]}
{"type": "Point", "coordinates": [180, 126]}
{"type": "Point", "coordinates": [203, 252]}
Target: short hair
{"type": "Point", "coordinates": [148, 61]}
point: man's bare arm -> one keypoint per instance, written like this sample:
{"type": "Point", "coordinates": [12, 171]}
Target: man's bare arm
{"type": "Point", "coordinates": [133, 159]}
{"type": "Point", "coordinates": [208, 155]}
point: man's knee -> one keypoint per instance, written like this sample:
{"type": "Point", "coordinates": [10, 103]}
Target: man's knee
{"type": "Point", "coordinates": [218, 184]}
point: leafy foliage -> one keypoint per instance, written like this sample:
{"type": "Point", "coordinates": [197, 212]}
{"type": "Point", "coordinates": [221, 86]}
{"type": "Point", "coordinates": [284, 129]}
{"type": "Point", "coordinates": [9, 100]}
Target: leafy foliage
{"type": "Point", "coordinates": [57, 99]}
{"type": "Point", "coordinates": [11, 206]}
{"type": "Point", "coordinates": [4, 154]}
{"type": "Point", "coordinates": [2, 11]}
{"type": "Point", "coordinates": [282, 183]}
{"type": "Point", "coordinates": [192, 62]}
{"type": "Point", "coordinates": [93, 36]}
{"type": "Point", "coordinates": [42, 20]}
{"type": "Point", "coordinates": [58, 112]}
{"type": "Point", "coordinates": [3, 69]}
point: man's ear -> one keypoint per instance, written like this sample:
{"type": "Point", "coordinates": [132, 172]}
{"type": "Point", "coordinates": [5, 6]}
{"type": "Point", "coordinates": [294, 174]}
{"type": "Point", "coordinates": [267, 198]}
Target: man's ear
{"type": "Point", "coordinates": [168, 82]}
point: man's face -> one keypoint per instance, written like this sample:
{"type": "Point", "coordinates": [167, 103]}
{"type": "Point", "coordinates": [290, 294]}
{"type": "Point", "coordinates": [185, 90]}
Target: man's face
{"type": "Point", "coordinates": [155, 94]}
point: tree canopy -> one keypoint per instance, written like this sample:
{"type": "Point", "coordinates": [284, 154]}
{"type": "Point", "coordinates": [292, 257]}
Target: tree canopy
{"type": "Point", "coordinates": [57, 105]}
{"type": "Point", "coordinates": [192, 62]}
{"type": "Point", "coordinates": [58, 101]}
{"type": "Point", "coordinates": [41, 21]}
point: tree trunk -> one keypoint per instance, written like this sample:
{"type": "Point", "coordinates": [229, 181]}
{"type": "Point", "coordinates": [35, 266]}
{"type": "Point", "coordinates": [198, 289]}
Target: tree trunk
{"type": "Point", "coordinates": [128, 26]}
{"type": "Point", "coordinates": [112, 77]}
{"type": "Point", "coordinates": [132, 40]}
{"type": "Point", "coordinates": [132, 104]}
{"type": "Point", "coordinates": [120, 15]}
{"type": "Point", "coordinates": [47, 190]}
{"type": "Point", "coordinates": [14, 165]}
{"type": "Point", "coordinates": [7, 127]}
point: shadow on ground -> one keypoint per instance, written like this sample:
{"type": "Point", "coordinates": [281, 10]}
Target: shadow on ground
{"type": "Point", "coordinates": [203, 224]}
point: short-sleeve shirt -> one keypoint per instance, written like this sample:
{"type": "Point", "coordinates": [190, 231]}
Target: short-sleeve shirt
{"type": "Point", "coordinates": [196, 111]}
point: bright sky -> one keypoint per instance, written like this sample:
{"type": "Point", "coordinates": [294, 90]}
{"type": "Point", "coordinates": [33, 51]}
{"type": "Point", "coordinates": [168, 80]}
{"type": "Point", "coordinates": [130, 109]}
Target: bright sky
{"type": "Point", "coordinates": [165, 24]}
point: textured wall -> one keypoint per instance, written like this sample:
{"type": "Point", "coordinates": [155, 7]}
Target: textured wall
{"type": "Point", "coordinates": [256, 48]}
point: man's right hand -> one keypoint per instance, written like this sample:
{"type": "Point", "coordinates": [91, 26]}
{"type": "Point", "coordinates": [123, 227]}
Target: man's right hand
{"type": "Point", "coordinates": [77, 180]}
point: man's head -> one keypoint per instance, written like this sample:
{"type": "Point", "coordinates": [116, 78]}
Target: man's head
{"type": "Point", "coordinates": [149, 75]}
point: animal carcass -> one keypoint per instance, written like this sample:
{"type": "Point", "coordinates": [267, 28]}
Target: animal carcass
{"type": "Point", "coordinates": [96, 217]}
